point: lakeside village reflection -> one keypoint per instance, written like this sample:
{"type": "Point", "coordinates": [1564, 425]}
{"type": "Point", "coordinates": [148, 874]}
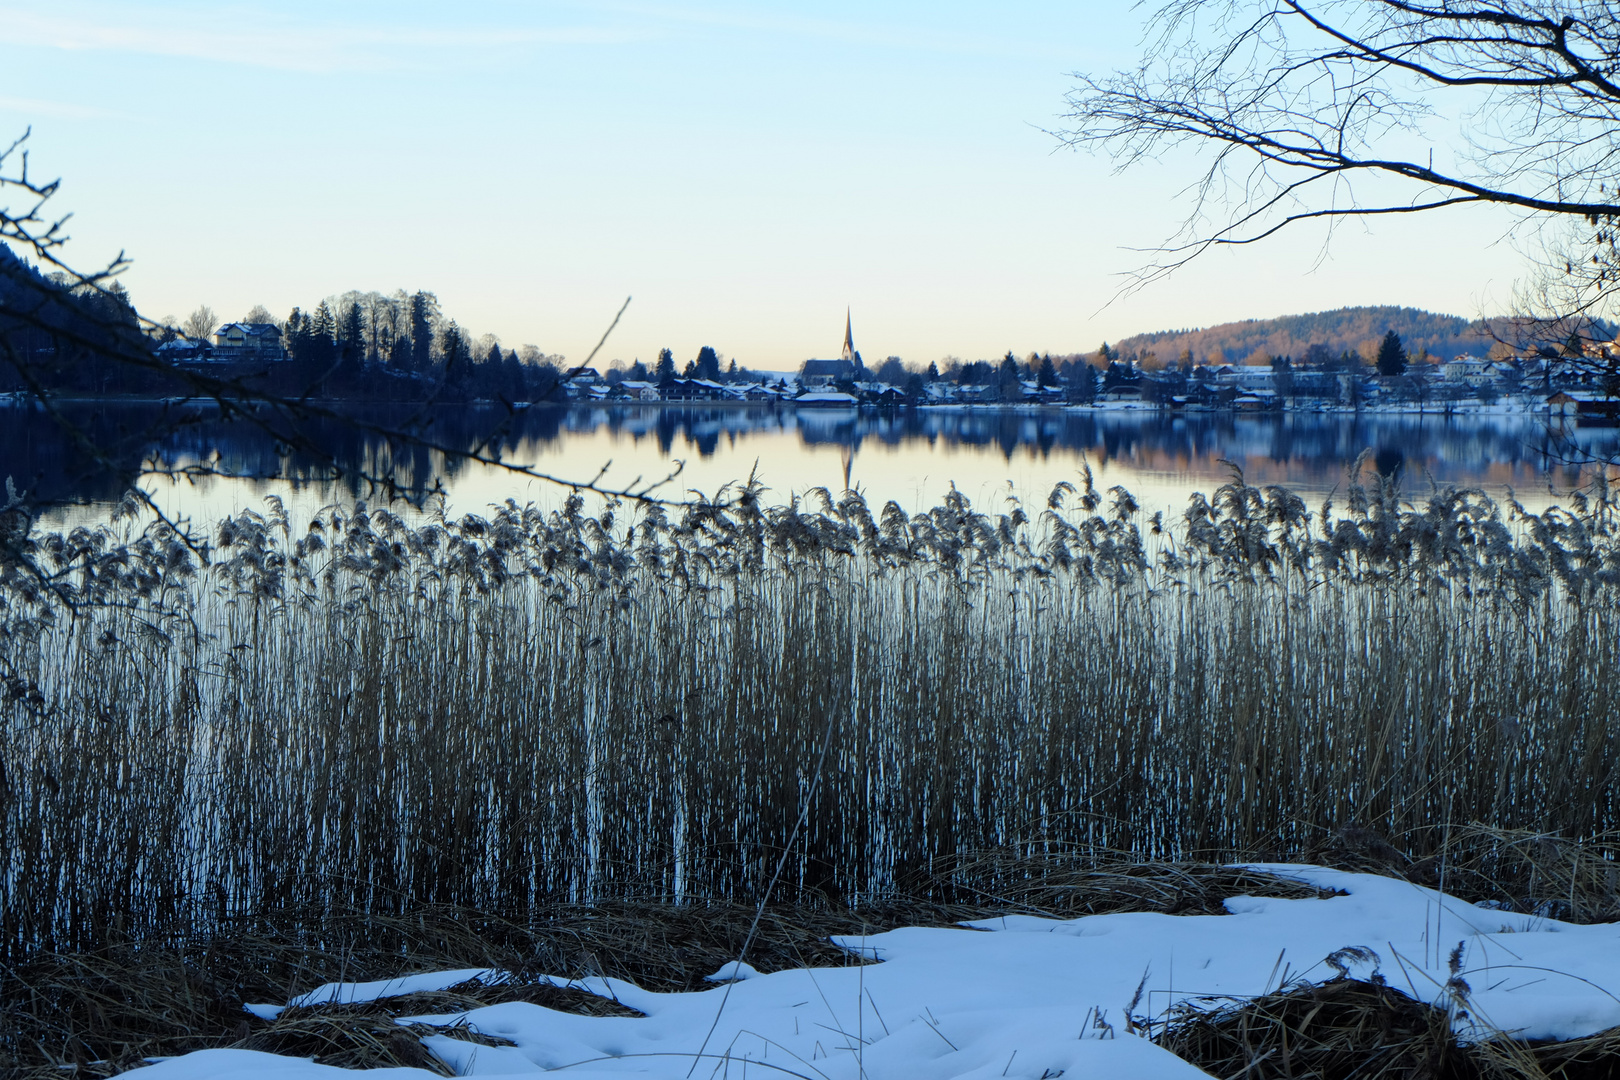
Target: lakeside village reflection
{"type": "Point", "coordinates": [1308, 451]}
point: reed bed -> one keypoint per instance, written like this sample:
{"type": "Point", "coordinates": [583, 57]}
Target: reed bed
{"type": "Point", "coordinates": [580, 743]}
{"type": "Point", "coordinates": [505, 713]}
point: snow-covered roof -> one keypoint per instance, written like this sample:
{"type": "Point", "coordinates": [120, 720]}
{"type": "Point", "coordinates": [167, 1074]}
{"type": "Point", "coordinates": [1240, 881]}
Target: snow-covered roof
{"type": "Point", "coordinates": [252, 329]}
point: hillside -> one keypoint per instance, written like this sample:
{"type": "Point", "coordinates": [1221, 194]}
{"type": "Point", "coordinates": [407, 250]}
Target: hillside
{"type": "Point", "coordinates": [1357, 329]}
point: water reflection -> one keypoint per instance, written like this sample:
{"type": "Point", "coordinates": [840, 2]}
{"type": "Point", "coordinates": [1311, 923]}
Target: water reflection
{"type": "Point", "coordinates": [910, 455]}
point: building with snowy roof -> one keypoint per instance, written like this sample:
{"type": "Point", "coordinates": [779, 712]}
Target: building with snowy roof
{"type": "Point", "coordinates": [823, 373]}
{"type": "Point", "coordinates": [248, 341]}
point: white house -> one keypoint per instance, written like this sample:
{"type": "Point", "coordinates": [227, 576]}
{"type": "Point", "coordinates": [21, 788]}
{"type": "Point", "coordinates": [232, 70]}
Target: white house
{"type": "Point", "coordinates": [1467, 369]}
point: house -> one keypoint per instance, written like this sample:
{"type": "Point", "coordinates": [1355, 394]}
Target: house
{"type": "Point", "coordinates": [1255, 401]}
{"type": "Point", "coordinates": [1467, 369]}
{"type": "Point", "coordinates": [248, 341]}
{"type": "Point", "coordinates": [638, 390]}
{"type": "Point", "coordinates": [752, 392]}
{"type": "Point", "coordinates": [1246, 376]}
{"type": "Point", "coordinates": [1046, 395]}
{"type": "Point", "coordinates": [1563, 403]}
{"type": "Point", "coordinates": [691, 390]}
{"type": "Point", "coordinates": [1585, 403]}
{"type": "Point", "coordinates": [183, 351]}
{"type": "Point", "coordinates": [1124, 392]}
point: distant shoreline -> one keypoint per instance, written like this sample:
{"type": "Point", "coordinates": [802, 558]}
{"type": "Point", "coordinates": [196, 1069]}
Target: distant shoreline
{"type": "Point", "coordinates": [1538, 409]}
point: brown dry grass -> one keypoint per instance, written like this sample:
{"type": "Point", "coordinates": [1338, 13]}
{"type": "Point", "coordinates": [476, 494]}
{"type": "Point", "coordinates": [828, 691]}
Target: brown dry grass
{"type": "Point", "coordinates": [121, 1003]}
{"type": "Point", "coordinates": [102, 1011]}
{"type": "Point", "coordinates": [1346, 1029]}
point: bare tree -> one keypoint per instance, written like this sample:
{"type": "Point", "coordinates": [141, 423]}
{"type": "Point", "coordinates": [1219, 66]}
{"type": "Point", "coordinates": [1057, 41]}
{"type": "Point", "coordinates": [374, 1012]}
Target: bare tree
{"type": "Point", "coordinates": [260, 315]}
{"type": "Point", "coordinates": [1323, 109]}
{"type": "Point", "coordinates": [200, 324]}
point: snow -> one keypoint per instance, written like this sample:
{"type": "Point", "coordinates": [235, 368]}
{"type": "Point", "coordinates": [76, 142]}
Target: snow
{"type": "Point", "coordinates": [734, 971]}
{"type": "Point", "coordinates": [1024, 997]}
{"type": "Point", "coordinates": [350, 993]}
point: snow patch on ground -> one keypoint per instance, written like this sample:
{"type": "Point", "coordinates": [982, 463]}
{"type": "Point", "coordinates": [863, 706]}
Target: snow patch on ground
{"type": "Point", "coordinates": [1031, 998]}
{"type": "Point", "coordinates": [354, 993]}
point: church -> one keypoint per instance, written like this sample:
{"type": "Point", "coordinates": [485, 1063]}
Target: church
{"type": "Point", "coordinates": [827, 372]}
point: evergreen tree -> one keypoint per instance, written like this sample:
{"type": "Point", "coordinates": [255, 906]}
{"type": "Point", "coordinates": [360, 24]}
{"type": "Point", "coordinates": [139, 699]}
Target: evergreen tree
{"type": "Point", "coordinates": [297, 346]}
{"type": "Point", "coordinates": [324, 324]}
{"type": "Point", "coordinates": [707, 364]}
{"type": "Point", "coordinates": [1391, 355]}
{"type": "Point", "coordinates": [932, 374]}
{"type": "Point", "coordinates": [399, 352]}
{"type": "Point", "coordinates": [322, 329]}
{"type": "Point", "coordinates": [664, 373]}
{"type": "Point", "coordinates": [352, 330]}
{"type": "Point", "coordinates": [351, 337]}
{"type": "Point", "coordinates": [453, 346]}
{"type": "Point", "coordinates": [1046, 374]}
{"type": "Point", "coordinates": [1082, 383]}
{"type": "Point", "coordinates": [423, 308]}
{"type": "Point", "coordinates": [514, 386]}
{"type": "Point", "coordinates": [1007, 382]}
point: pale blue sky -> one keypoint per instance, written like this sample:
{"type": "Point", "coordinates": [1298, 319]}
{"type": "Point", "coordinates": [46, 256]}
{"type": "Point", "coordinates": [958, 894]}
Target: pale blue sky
{"type": "Point", "coordinates": [744, 169]}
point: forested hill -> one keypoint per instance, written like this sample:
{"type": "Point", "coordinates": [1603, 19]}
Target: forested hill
{"type": "Point", "coordinates": [1357, 329]}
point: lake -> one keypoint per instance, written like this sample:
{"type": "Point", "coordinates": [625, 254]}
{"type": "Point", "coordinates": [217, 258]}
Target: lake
{"type": "Point", "coordinates": [910, 456]}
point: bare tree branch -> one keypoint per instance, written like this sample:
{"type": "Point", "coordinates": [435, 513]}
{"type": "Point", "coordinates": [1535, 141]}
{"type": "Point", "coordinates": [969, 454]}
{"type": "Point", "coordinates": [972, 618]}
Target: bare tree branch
{"type": "Point", "coordinates": [1294, 100]}
{"type": "Point", "coordinates": [85, 315]}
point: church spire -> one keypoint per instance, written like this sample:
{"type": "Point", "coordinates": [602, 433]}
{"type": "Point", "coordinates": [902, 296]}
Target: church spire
{"type": "Point", "coordinates": [849, 338]}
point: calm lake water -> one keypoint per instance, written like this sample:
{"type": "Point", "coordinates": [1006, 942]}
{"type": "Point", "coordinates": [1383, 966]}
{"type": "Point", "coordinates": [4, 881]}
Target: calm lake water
{"type": "Point", "coordinates": [912, 457]}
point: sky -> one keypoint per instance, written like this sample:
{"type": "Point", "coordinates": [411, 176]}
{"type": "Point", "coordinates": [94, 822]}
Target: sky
{"type": "Point", "coordinates": [747, 172]}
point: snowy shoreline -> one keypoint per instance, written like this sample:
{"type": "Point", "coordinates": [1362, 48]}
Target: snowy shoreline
{"type": "Point", "coordinates": [1021, 996]}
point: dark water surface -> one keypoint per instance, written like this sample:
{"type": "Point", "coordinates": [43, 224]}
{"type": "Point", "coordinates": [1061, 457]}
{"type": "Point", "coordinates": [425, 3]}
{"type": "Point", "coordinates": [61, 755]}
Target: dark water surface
{"type": "Point", "coordinates": [909, 456]}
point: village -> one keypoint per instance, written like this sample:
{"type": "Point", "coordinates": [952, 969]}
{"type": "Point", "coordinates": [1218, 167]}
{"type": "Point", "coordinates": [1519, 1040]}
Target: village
{"type": "Point", "coordinates": [1575, 380]}
{"type": "Point", "coordinates": [1467, 384]}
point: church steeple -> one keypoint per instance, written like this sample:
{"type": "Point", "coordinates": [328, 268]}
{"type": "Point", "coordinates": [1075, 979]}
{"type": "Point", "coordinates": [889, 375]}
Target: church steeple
{"type": "Point", "coordinates": [849, 338]}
